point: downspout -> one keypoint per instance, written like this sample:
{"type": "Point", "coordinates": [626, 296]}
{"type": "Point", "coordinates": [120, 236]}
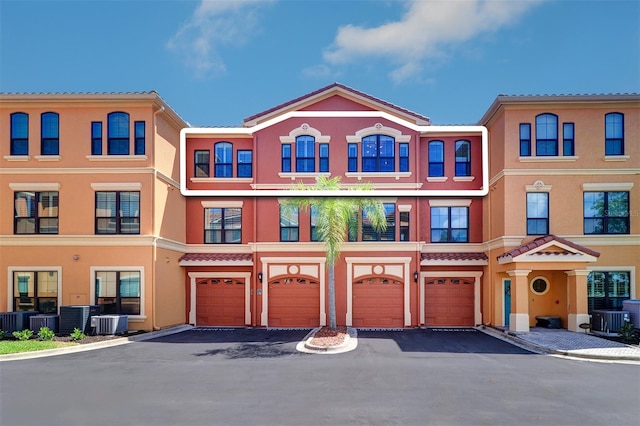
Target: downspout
{"type": "Point", "coordinates": [417, 232]}
{"type": "Point", "coordinates": [255, 281]}
{"type": "Point", "coordinates": [153, 223]}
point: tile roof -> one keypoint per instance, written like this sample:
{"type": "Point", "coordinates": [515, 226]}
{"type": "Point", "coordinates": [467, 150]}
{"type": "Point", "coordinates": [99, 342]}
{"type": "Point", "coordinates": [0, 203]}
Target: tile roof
{"type": "Point", "coordinates": [216, 257]}
{"type": "Point", "coordinates": [539, 242]}
{"type": "Point", "coordinates": [453, 256]}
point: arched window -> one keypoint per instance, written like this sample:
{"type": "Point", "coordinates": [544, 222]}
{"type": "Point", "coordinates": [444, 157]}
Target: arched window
{"type": "Point", "coordinates": [546, 135]}
{"type": "Point", "coordinates": [223, 152]}
{"type": "Point", "coordinates": [463, 158]}
{"type": "Point", "coordinates": [614, 134]}
{"type": "Point", "coordinates": [378, 153]}
{"type": "Point", "coordinates": [436, 159]}
{"type": "Point", "coordinates": [305, 153]}
{"type": "Point", "coordinates": [19, 134]}
{"type": "Point", "coordinates": [50, 134]}
{"type": "Point", "coordinates": [118, 133]}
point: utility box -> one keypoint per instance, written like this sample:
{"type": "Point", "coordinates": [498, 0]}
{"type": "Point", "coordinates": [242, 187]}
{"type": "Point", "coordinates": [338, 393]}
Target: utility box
{"type": "Point", "coordinates": [633, 307]}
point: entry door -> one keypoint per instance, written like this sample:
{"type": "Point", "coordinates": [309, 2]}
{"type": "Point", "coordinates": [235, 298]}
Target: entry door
{"type": "Point", "coordinates": [507, 301]}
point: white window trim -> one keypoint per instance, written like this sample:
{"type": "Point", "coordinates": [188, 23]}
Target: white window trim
{"type": "Point", "coordinates": [305, 129]}
{"type": "Point", "coordinates": [450, 203]}
{"type": "Point", "coordinates": [116, 157]}
{"type": "Point", "coordinates": [543, 279]}
{"type": "Point", "coordinates": [12, 269]}
{"type": "Point", "coordinates": [39, 187]}
{"type": "Point", "coordinates": [222, 204]}
{"type": "Point", "coordinates": [607, 187]}
{"type": "Point", "coordinates": [117, 186]}
{"type": "Point", "coordinates": [17, 157]}
{"type": "Point", "coordinates": [378, 129]}
{"type": "Point", "coordinates": [616, 268]}
{"type": "Point", "coordinates": [92, 285]}
{"type": "Point", "coordinates": [616, 157]}
{"type": "Point", "coordinates": [48, 157]}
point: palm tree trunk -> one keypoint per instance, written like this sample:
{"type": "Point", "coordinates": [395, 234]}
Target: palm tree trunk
{"type": "Point", "coordinates": [332, 298]}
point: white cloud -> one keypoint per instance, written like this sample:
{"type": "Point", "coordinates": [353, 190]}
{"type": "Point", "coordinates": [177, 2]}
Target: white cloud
{"type": "Point", "coordinates": [213, 25]}
{"type": "Point", "coordinates": [426, 30]}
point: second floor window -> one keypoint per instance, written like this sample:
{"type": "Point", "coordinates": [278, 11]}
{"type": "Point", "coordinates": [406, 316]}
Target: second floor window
{"type": "Point", "coordinates": [614, 134]}
{"type": "Point", "coordinates": [537, 213]}
{"type": "Point", "coordinates": [378, 153]}
{"type": "Point", "coordinates": [606, 212]}
{"type": "Point", "coordinates": [201, 163]}
{"type": "Point", "coordinates": [289, 224]}
{"type": "Point", "coordinates": [223, 225]}
{"type": "Point", "coordinates": [352, 157]}
{"type": "Point", "coordinates": [305, 154]}
{"type": "Point", "coordinates": [324, 157]}
{"type": "Point", "coordinates": [118, 133]}
{"type": "Point", "coordinates": [463, 158]}
{"type": "Point", "coordinates": [546, 135]}
{"type": "Point", "coordinates": [19, 134]}
{"type": "Point", "coordinates": [286, 158]}
{"type": "Point", "coordinates": [223, 163]}
{"type": "Point", "coordinates": [404, 157]}
{"type": "Point", "coordinates": [389, 234]}
{"type": "Point", "coordinates": [36, 212]}
{"type": "Point", "coordinates": [118, 212]}
{"type": "Point", "coordinates": [436, 159]}
{"type": "Point", "coordinates": [50, 134]}
{"type": "Point", "coordinates": [449, 224]}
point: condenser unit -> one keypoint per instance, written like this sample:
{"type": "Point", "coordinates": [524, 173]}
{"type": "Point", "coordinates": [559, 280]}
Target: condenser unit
{"type": "Point", "coordinates": [608, 323]}
{"type": "Point", "coordinates": [36, 322]}
{"type": "Point", "coordinates": [110, 324]}
{"type": "Point", "coordinates": [72, 317]}
{"type": "Point", "coordinates": [633, 306]}
{"type": "Point", "coordinates": [16, 321]}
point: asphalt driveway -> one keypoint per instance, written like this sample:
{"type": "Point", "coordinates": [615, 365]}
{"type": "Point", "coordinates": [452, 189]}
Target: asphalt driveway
{"type": "Point", "coordinates": [242, 377]}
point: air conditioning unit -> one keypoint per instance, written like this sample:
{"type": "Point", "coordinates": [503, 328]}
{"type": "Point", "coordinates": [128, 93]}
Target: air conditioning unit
{"type": "Point", "coordinates": [72, 317]}
{"type": "Point", "coordinates": [608, 323]}
{"type": "Point", "coordinates": [15, 321]}
{"type": "Point", "coordinates": [110, 324]}
{"type": "Point", "coordinates": [633, 306]}
{"type": "Point", "coordinates": [36, 322]}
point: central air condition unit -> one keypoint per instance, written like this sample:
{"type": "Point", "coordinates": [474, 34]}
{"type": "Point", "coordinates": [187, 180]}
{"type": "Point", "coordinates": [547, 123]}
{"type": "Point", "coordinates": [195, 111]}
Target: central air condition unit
{"type": "Point", "coordinates": [608, 323]}
{"type": "Point", "coordinates": [36, 322]}
{"type": "Point", "coordinates": [72, 317]}
{"type": "Point", "coordinates": [110, 324]}
{"type": "Point", "coordinates": [16, 321]}
{"type": "Point", "coordinates": [633, 306]}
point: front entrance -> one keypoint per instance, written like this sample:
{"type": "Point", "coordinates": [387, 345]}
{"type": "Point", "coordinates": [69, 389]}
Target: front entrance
{"type": "Point", "coordinates": [294, 302]}
{"type": "Point", "coordinates": [449, 302]}
{"type": "Point", "coordinates": [378, 302]}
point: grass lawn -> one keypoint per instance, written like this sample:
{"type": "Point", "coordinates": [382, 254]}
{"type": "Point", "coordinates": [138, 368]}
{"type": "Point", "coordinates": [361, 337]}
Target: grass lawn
{"type": "Point", "coordinates": [16, 346]}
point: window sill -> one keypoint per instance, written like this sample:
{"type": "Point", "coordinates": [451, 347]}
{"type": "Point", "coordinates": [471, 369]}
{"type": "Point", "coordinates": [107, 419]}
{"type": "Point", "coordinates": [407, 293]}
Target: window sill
{"type": "Point", "coordinates": [464, 178]}
{"type": "Point", "coordinates": [17, 157]}
{"type": "Point", "coordinates": [220, 179]}
{"type": "Point", "coordinates": [136, 318]}
{"type": "Point", "coordinates": [48, 157]}
{"type": "Point", "coordinates": [548, 159]}
{"type": "Point", "coordinates": [616, 157]}
{"type": "Point", "coordinates": [116, 157]}
{"type": "Point", "coordinates": [395, 175]}
{"type": "Point", "coordinates": [296, 175]}
{"type": "Point", "coordinates": [437, 179]}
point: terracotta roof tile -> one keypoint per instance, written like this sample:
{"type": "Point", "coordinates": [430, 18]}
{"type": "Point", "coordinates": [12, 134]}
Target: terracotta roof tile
{"type": "Point", "coordinates": [539, 242]}
{"type": "Point", "coordinates": [453, 256]}
{"type": "Point", "coordinates": [216, 257]}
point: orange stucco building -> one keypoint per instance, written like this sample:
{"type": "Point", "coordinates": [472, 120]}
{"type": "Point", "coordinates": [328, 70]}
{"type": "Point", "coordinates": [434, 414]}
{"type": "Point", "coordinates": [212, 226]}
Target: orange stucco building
{"type": "Point", "coordinates": [115, 201]}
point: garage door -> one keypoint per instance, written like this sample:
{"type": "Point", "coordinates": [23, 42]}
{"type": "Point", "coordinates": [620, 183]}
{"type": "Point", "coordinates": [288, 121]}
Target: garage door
{"type": "Point", "coordinates": [294, 302]}
{"type": "Point", "coordinates": [449, 302]}
{"type": "Point", "coordinates": [220, 302]}
{"type": "Point", "coordinates": [378, 302]}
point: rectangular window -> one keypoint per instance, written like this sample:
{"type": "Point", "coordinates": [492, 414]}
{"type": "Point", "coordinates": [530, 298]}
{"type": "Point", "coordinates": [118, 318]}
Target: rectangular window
{"type": "Point", "coordinates": [96, 138]}
{"type": "Point", "coordinates": [50, 133]}
{"type": "Point", "coordinates": [35, 291]}
{"type": "Point", "coordinates": [607, 290]}
{"type": "Point", "coordinates": [606, 212]}
{"type": "Point", "coordinates": [370, 234]}
{"type": "Point", "coordinates": [324, 157]}
{"type": "Point", "coordinates": [202, 163]}
{"type": "Point", "coordinates": [118, 292]}
{"type": "Point", "coordinates": [404, 226]}
{"type": "Point", "coordinates": [463, 158]}
{"type": "Point", "coordinates": [118, 133]}
{"type": "Point", "coordinates": [404, 157]}
{"type": "Point", "coordinates": [289, 224]}
{"type": "Point", "coordinates": [19, 134]}
{"type": "Point", "coordinates": [223, 160]}
{"type": "Point", "coordinates": [614, 134]}
{"type": "Point", "coordinates": [118, 212]}
{"type": "Point", "coordinates": [525, 139]}
{"type": "Point", "coordinates": [537, 213]}
{"type": "Point", "coordinates": [244, 164]}
{"type": "Point", "coordinates": [223, 225]}
{"type": "Point", "coordinates": [305, 154]}
{"type": "Point", "coordinates": [286, 158]}
{"type": "Point", "coordinates": [139, 143]}
{"type": "Point", "coordinates": [352, 157]}
{"type": "Point", "coordinates": [449, 224]}
{"type": "Point", "coordinates": [36, 212]}
{"type": "Point", "coordinates": [313, 213]}
{"type": "Point", "coordinates": [568, 139]}
{"type": "Point", "coordinates": [436, 159]}
{"type": "Point", "coordinates": [378, 153]}
{"type": "Point", "coordinates": [546, 135]}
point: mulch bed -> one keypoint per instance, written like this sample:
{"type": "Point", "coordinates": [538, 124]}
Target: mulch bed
{"type": "Point", "coordinates": [94, 339]}
{"type": "Point", "coordinates": [326, 337]}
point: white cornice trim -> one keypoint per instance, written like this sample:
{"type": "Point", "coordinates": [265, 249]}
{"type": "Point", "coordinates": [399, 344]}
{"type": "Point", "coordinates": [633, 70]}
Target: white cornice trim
{"type": "Point", "coordinates": [222, 204]}
{"type": "Point", "coordinates": [305, 129]}
{"type": "Point", "coordinates": [378, 129]}
{"type": "Point", "coordinates": [116, 186]}
{"type": "Point", "coordinates": [48, 157]}
{"type": "Point", "coordinates": [548, 159]}
{"type": "Point", "coordinates": [457, 202]}
{"type": "Point", "coordinates": [116, 157]}
{"type": "Point", "coordinates": [613, 186]}
{"type": "Point", "coordinates": [28, 186]}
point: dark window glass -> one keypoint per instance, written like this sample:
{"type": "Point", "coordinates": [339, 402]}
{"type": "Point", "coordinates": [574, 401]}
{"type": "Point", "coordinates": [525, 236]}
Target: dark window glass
{"type": "Point", "coordinates": [289, 224]}
{"type": "Point", "coordinates": [404, 226]}
{"type": "Point", "coordinates": [463, 158]}
{"type": "Point", "coordinates": [378, 153]}
{"type": "Point", "coordinates": [305, 154]}
{"type": "Point", "coordinates": [245, 164]}
{"type": "Point", "coordinates": [19, 134]}
{"type": "Point", "coordinates": [370, 234]}
{"type": "Point", "coordinates": [35, 291]}
{"type": "Point", "coordinates": [313, 212]}
{"type": "Point", "coordinates": [50, 134]}
{"type": "Point", "coordinates": [607, 290]}
{"type": "Point", "coordinates": [324, 157]}
{"type": "Point", "coordinates": [537, 213]}
{"type": "Point", "coordinates": [118, 133]}
{"type": "Point", "coordinates": [449, 224]}
{"type": "Point", "coordinates": [223, 225]}
{"type": "Point", "coordinates": [286, 158]}
{"type": "Point", "coordinates": [96, 138]}
{"type": "Point", "coordinates": [568, 139]}
{"type": "Point", "coordinates": [223, 164]}
{"type": "Point", "coordinates": [614, 134]}
{"type": "Point", "coordinates": [36, 212]}
{"type": "Point", "coordinates": [139, 144]}
{"type": "Point", "coordinates": [202, 163]}
{"type": "Point", "coordinates": [118, 212]}
{"type": "Point", "coordinates": [606, 212]}
{"type": "Point", "coordinates": [546, 135]}
{"type": "Point", "coordinates": [436, 159]}
{"type": "Point", "coordinates": [352, 157]}
{"type": "Point", "coordinates": [118, 292]}
{"type": "Point", "coordinates": [525, 139]}
{"type": "Point", "coordinates": [404, 157]}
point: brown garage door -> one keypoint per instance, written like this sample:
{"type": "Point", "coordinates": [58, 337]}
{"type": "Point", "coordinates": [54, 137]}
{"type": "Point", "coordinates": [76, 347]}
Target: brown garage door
{"type": "Point", "coordinates": [220, 302]}
{"type": "Point", "coordinates": [449, 302]}
{"type": "Point", "coordinates": [294, 302]}
{"type": "Point", "coordinates": [378, 302]}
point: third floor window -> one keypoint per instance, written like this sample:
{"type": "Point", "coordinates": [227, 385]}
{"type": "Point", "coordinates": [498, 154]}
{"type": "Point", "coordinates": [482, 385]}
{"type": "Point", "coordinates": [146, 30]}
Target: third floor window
{"type": "Point", "coordinates": [50, 134]}
{"type": "Point", "coordinates": [614, 134]}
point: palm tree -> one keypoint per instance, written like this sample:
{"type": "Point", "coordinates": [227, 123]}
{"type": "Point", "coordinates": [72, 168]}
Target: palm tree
{"type": "Point", "coordinates": [336, 219]}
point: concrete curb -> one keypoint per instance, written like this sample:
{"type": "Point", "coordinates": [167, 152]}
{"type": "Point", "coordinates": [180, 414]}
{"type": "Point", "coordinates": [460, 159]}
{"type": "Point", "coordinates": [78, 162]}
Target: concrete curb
{"type": "Point", "coordinates": [349, 344]}
{"type": "Point", "coordinates": [98, 345]}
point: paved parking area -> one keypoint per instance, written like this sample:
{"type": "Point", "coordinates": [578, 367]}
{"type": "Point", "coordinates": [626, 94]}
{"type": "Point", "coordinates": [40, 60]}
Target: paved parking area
{"type": "Point", "coordinates": [242, 377]}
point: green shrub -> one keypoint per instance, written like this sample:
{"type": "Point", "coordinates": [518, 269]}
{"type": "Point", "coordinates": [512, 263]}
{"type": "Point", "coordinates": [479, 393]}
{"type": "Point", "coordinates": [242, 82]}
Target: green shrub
{"type": "Point", "coordinates": [3, 334]}
{"type": "Point", "coordinates": [46, 333]}
{"type": "Point", "coordinates": [77, 334]}
{"type": "Point", "coordinates": [627, 332]}
{"type": "Point", "coordinates": [23, 335]}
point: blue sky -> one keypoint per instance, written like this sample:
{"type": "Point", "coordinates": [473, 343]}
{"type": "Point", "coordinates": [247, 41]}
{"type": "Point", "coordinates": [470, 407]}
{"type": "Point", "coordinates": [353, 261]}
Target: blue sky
{"type": "Point", "coordinates": [217, 62]}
